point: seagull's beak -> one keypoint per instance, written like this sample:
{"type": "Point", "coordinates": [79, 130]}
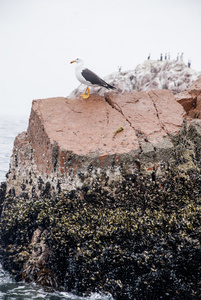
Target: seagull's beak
{"type": "Point", "coordinates": [72, 61]}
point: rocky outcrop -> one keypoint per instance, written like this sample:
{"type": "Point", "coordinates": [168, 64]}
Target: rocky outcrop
{"type": "Point", "coordinates": [104, 195]}
{"type": "Point", "coordinates": [70, 141]}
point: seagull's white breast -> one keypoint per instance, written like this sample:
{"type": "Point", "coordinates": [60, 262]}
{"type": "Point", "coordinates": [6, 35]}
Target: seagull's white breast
{"type": "Point", "coordinates": [78, 73]}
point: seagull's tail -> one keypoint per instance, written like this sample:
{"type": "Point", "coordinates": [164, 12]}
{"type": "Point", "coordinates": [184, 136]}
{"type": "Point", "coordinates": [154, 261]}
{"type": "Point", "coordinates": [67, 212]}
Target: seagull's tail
{"type": "Point", "coordinates": [110, 87]}
{"type": "Point", "coordinates": [107, 85]}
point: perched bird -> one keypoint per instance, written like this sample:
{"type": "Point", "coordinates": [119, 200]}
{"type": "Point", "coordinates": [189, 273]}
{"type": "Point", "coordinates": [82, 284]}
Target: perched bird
{"type": "Point", "coordinates": [88, 77]}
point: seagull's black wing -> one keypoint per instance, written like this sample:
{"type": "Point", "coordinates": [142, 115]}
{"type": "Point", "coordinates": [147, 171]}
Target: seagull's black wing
{"type": "Point", "coordinates": [95, 79]}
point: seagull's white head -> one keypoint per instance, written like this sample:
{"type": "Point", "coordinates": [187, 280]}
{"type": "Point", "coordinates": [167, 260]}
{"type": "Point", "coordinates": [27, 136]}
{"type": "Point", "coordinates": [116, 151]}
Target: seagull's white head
{"type": "Point", "coordinates": [77, 60]}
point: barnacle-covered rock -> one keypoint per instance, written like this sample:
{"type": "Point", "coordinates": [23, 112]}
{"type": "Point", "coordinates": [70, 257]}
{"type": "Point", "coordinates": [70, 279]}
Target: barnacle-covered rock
{"type": "Point", "coordinates": [144, 246]}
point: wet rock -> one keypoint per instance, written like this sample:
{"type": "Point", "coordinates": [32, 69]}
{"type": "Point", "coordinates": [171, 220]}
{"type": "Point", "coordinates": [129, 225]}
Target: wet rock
{"type": "Point", "coordinates": [144, 244]}
{"type": "Point", "coordinates": [2, 194]}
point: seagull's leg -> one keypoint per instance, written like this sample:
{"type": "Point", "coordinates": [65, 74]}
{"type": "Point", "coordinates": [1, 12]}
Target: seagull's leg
{"type": "Point", "coordinates": [86, 96]}
{"type": "Point", "coordinates": [87, 89]}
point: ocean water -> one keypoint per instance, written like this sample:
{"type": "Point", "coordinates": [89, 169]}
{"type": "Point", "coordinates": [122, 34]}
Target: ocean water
{"type": "Point", "coordinates": [9, 289]}
{"type": "Point", "coordinates": [10, 126]}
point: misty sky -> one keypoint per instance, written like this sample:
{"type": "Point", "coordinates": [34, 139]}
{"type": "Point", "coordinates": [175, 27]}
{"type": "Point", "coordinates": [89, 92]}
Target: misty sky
{"type": "Point", "coordinates": [39, 38]}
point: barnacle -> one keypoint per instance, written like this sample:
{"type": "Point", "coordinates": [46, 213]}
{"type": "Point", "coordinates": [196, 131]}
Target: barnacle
{"type": "Point", "coordinates": [137, 236]}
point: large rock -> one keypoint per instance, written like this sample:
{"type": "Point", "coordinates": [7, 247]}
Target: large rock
{"type": "Point", "coordinates": [104, 195]}
{"type": "Point", "coordinates": [67, 139]}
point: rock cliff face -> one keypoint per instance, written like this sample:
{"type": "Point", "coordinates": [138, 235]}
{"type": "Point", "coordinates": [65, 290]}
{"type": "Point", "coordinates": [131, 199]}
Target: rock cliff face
{"type": "Point", "coordinates": [104, 195]}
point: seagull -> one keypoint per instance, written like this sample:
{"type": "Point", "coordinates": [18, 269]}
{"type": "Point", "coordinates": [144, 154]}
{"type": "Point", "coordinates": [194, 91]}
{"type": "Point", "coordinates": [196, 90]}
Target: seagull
{"type": "Point", "coordinates": [88, 77]}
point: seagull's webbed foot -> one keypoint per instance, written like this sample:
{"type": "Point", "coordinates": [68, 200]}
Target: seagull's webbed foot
{"type": "Point", "coordinates": [85, 96]}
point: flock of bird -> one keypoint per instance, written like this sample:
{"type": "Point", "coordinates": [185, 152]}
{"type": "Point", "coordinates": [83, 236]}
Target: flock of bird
{"type": "Point", "coordinates": [179, 57]}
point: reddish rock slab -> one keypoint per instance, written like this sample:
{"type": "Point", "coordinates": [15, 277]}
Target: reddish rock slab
{"type": "Point", "coordinates": [71, 138]}
{"type": "Point", "coordinates": [82, 126]}
{"type": "Point", "coordinates": [70, 132]}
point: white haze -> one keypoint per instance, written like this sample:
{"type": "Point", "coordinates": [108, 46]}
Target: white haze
{"type": "Point", "coordinates": [39, 38]}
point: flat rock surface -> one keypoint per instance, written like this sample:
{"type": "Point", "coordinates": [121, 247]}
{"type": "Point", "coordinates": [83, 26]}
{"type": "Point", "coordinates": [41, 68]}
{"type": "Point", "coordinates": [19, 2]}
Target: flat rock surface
{"type": "Point", "coordinates": [85, 126]}
{"type": "Point", "coordinates": [108, 126]}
